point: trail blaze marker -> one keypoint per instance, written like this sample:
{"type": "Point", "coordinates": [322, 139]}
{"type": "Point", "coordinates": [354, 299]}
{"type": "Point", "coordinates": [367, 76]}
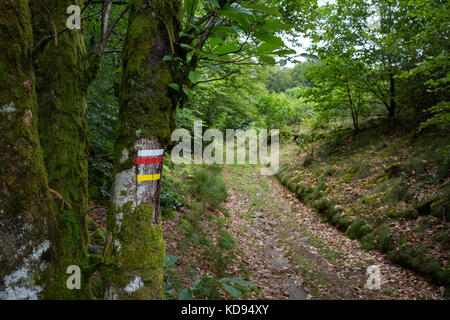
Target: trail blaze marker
{"type": "Point", "coordinates": [148, 177]}
{"type": "Point", "coordinates": [149, 157]}
{"type": "Point", "coordinates": [148, 160]}
{"type": "Point", "coordinates": [150, 153]}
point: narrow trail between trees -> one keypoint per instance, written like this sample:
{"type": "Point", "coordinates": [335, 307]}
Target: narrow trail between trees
{"type": "Point", "coordinates": [292, 254]}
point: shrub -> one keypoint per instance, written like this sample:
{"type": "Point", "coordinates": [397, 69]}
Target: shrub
{"type": "Point", "coordinates": [358, 229]}
{"type": "Point", "coordinates": [396, 193]}
{"type": "Point", "coordinates": [208, 186]}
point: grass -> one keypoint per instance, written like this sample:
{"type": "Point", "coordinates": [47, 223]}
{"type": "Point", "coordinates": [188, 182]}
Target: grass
{"type": "Point", "coordinates": [208, 187]}
{"type": "Point", "coordinates": [200, 233]}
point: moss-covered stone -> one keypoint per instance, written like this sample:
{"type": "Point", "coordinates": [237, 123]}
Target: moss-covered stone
{"type": "Point", "coordinates": [402, 211]}
{"type": "Point", "coordinates": [394, 170]}
{"type": "Point", "coordinates": [441, 209]}
{"type": "Point", "coordinates": [424, 207]}
{"type": "Point", "coordinates": [95, 259]}
{"type": "Point", "coordinates": [418, 259]}
{"type": "Point", "coordinates": [90, 223]}
{"type": "Point", "coordinates": [348, 177]}
{"type": "Point", "coordinates": [98, 237]}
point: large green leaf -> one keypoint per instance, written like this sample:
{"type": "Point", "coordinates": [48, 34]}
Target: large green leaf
{"type": "Point", "coordinates": [225, 29]}
{"type": "Point", "coordinates": [232, 290]}
{"type": "Point", "coordinates": [171, 260]}
{"type": "Point", "coordinates": [269, 38]}
{"type": "Point", "coordinates": [190, 6]}
{"type": "Point", "coordinates": [264, 8]}
{"type": "Point", "coordinates": [186, 294]}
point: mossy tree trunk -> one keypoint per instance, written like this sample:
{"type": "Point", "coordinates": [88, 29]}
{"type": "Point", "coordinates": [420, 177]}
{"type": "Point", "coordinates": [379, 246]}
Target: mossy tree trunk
{"type": "Point", "coordinates": [63, 77]}
{"type": "Point", "coordinates": [146, 121]}
{"type": "Point", "coordinates": [27, 214]}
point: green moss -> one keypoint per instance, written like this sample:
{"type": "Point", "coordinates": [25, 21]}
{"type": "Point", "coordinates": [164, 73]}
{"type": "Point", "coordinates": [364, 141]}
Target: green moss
{"type": "Point", "coordinates": [31, 217]}
{"type": "Point", "coordinates": [418, 259]}
{"type": "Point", "coordinates": [63, 78]}
{"type": "Point", "coordinates": [394, 170]}
{"type": "Point", "coordinates": [90, 223]}
{"type": "Point", "coordinates": [379, 239]}
{"type": "Point", "coordinates": [372, 198]}
{"type": "Point", "coordinates": [441, 209]}
{"type": "Point", "coordinates": [402, 211]}
{"type": "Point", "coordinates": [146, 109]}
{"type": "Point", "coordinates": [424, 207]}
{"type": "Point", "coordinates": [348, 177]}
{"type": "Point", "coordinates": [95, 259]}
{"type": "Point", "coordinates": [98, 237]}
{"type": "Point", "coordinates": [303, 191]}
{"type": "Point", "coordinates": [141, 253]}
{"type": "Point", "coordinates": [397, 193]}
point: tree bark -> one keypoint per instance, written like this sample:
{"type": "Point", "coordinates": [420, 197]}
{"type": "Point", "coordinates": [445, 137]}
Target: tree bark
{"type": "Point", "coordinates": [146, 121]}
{"type": "Point", "coordinates": [63, 77]}
{"type": "Point", "coordinates": [392, 93]}
{"type": "Point", "coordinates": [27, 214]}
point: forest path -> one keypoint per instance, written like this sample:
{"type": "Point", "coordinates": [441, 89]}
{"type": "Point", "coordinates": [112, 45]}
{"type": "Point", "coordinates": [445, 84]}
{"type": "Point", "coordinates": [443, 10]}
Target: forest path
{"type": "Point", "coordinates": [292, 254]}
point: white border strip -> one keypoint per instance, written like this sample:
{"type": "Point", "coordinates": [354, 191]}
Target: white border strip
{"type": "Point", "coordinates": [150, 153]}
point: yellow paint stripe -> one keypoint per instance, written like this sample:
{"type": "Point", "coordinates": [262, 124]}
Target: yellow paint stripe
{"type": "Point", "coordinates": [150, 177]}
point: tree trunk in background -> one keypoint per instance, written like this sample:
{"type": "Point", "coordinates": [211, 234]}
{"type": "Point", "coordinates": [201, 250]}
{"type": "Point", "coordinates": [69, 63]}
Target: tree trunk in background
{"type": "Point", "coordinates": [392, 97]}
{"type": "Point", "coordinates": [145, 124]}
{"type": "Point", "coordinates": [27, 214]}
{"type": "Point", "coordinates": [63, 78]}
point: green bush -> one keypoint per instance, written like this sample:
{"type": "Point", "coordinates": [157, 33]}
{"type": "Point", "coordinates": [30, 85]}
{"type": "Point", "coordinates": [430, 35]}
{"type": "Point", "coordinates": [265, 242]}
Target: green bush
{"type": "Point", "coordinates": [385, 241]}
{"type": "Point", "coordinates": [358, 229]}
{"type": "Point", "coordinates": [207, 186]}
{"type": "Point", "coordinates": [368, 241]}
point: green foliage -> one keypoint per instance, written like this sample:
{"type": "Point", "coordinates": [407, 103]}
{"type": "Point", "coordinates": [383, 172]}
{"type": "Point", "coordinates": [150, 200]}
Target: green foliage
{"type": "Point", "coordinates": [358, 229]}
{"type": "Point", "coordinates": [208, 186]}
{"type": "Point", "coordinates": [418, 258]}
{"type": "Point", "coordinates": [274, 110]}
{"type": "Point", "coordinates": [231, 286]}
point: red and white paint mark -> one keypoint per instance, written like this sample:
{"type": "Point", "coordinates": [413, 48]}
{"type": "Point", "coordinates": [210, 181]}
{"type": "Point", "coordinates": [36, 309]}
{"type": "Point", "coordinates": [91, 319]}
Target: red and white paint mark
{"type": "Point", "coordinates": [149, 157]}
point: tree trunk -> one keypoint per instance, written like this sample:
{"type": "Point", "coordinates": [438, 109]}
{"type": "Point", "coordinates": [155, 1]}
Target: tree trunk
{"type": "Point", "coordinates": [146, 120]}
{"type": "Point", "coordinates": [354, 111]}
{"type": "Point", "coordinates": [392, 102]}
{"type": "Point", "coordinates": [27, 214]}
{"type": "Point", "coordinates": [63, 78]}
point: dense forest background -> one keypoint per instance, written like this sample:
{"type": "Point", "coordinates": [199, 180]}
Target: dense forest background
{"type": "Point", "coordinates": [363, 115]}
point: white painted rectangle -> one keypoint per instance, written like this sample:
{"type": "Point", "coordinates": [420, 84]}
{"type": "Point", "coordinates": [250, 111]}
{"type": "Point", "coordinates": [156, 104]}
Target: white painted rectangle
{"type": "Point", "coordinates": [150, 153]}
